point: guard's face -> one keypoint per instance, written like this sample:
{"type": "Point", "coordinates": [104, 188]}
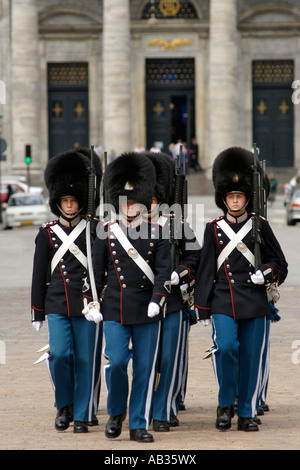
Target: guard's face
{"type": "Point", "coordinates": [69, 205]}
{"type": "Point", "coordinates": [236, 201]}
{"type": "Point", "coordinates": [131, 209]}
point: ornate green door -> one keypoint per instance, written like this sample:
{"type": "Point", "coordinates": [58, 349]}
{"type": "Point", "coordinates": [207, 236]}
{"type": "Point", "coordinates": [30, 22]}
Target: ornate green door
{"type": "Point", "coordinates": [273, 122]}
{"type": "Point", "coordinates": [67, 107]}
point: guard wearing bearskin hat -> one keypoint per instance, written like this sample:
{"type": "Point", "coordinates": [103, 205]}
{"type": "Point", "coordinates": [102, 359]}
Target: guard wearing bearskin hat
{"type": "Point", "coordinates": [132, 257]}
{"type": "Point", "coordinates": [231, 293]}
{"type": "Point", "coordinates": [171, 388]}
{"type": "Point", "coordinates": [59, 270]}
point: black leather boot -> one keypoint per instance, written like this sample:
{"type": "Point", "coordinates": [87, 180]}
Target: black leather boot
{"type": "Point", "coordinates": [63, 418]}
{"type": "Point", "coordinates": [140, 435]}
{"type": "Point", "coordinates": [114, 426]}
{"type": "Point", "coordinates": [224, 415]}
{"type": "Point", "coordinates": [247, 424]}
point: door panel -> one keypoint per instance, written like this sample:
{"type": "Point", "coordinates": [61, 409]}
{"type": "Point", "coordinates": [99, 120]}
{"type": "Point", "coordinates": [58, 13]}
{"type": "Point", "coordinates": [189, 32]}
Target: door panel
{"type": "Point", "coordinates": [170, 116]}
{"type": "Point", "coordinates": [68, 120]}
{"type": "Point", "coordinates": [273, 121]}
{"type": "Point", "coordinates": [170, 101]}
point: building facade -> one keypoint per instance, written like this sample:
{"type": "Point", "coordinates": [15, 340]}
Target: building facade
{"type": "Point", "coordinates": [118, 73]}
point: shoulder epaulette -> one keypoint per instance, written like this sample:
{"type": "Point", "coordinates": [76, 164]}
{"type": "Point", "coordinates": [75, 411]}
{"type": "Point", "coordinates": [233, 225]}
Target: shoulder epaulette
{"type": "Point", "coordinates": [261, 216]}
{"type": "Point", "coordinates": [49, 223]}
{"type": "Point", "coordinates": [216, 219]}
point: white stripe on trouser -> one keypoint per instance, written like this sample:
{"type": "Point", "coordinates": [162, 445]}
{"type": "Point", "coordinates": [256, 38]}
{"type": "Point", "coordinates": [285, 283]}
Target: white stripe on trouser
{"type": "Point", "coordinates": [93, 396]}
{"type": "Point", "coordinates": [148, 403]}
{"type": "Point", "coordinates": [263, 390]}
{"type": "Point", "coordinates": [213, 359]}
{"type": "Point", "coordinates": [186, 355]}
{"type": "Point", "coordinates": [170, 394]}
{"type": "Point", "coordinates": [259, 375]}
{"type": "Point", "coordinates": [174, 408]}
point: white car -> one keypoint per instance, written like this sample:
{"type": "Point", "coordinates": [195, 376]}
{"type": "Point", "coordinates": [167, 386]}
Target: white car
{"type": "Point", "coordinates": [26, 209]}
{"type": "Point", "coordinates": [17, 187]}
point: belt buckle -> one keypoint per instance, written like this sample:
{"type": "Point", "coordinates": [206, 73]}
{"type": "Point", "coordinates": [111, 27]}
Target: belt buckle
{"type": "Point", "coordinates": [132, 252]}
{"type": "Point", "coordinates": [74, 249]}
{"type": "Point", "coordinates": [241, 247]}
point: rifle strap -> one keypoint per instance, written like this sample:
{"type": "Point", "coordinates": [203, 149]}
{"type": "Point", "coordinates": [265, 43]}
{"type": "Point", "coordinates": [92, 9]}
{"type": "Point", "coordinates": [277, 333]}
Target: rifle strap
{"type": "Point", "coordinates": [235, 239]}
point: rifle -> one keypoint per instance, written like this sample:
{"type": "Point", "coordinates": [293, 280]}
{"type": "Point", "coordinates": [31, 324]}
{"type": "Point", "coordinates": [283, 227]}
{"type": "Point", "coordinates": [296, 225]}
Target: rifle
{"type": "Point", "coordinates": [180, 202]}
{"type": "Point", "coordinates": [264, 192]}
{"type": "Point", "coordinates": [257, 210]}
{"type": "Point", "coordinates": [175, 235]}
{"type": "Point", "coordinates": [91, 209]}
{"type": "Point", "coordinates": [91, 228]}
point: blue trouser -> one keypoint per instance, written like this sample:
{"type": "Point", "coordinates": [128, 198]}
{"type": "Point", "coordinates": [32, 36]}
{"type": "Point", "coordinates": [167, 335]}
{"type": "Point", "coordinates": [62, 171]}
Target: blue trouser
{"type": "Point", "coordinates": [74, 363]}
{"type": "Point", "coordinates": [237, 359]}
{"type": "Point", "coordinates": [142, 350]}
{"type": "Point", "coordinates": [163, 396]}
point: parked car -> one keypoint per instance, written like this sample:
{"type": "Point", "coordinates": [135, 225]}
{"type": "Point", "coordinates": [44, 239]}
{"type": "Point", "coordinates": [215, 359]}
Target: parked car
{"type": "Point", "coordinates": [293, 207]}
{"type": "Point", "coordinates": [17, 187]}
{"type": "Point", "coordinates": [26, 209]}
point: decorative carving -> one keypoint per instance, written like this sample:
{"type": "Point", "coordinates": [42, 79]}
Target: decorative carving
{"type": "Point", "coordinates": [57, 109]}
{"type": "Point", "coordinates": [284, 107]}
{"type": "Point", "coordinates": [169, 7]}
{"type": "Point", "coordinates": [172, 44]}
{"type": "Point", "coordinates": [262, 107]}
{"type": "Point", "coordinates": [79, 109]}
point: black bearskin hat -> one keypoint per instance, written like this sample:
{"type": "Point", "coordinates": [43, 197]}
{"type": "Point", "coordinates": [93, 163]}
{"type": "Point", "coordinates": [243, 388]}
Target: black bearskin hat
{"type": "Point", "coordinates": [67, 174]}
{"type": "Point", "coordinates": [171, 168]}
{"type": "Point", "coordinates": [164, 176]}
{"type": "Point", "coordinates": [131, 175]}
{"type": "Point", "coordinates": [233, 171]}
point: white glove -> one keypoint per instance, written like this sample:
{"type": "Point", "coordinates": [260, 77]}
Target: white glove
{"type": "Point", "coordinates": [94, 315]}
{"type": "Point", "coordinates": [92, 312]}
{"type": "Point", "coordinates": [205, 322]}
{"type": "Point", "coordinates": [153, 309]}
{"type": "Point", "coordinates": [258, 278]}
{"type": "Point", "coordinates": [174, 279]}
{"type": "Point", "coordinates": [37, 325]}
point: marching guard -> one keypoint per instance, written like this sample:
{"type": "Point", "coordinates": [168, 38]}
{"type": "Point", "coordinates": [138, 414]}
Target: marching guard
{"type": "Point", "coordinates": [168, 395]}
{"type": "Point", "coordinates": [232, 293]}
{"type": "Point", "coordinates": [131, 259]}
{"type": "Point", "coordinates": [59, 273]}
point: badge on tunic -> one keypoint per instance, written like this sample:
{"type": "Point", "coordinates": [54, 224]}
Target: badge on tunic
{"type": "Point", "coordinates": [241, 247]}
{"type": "Point", "coordinates": [74, 249]}
{"type": "Point", "coordinates": [132, 252]}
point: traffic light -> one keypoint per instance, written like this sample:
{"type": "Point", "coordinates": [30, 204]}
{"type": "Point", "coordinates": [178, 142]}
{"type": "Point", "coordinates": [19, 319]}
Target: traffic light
{"type": "Point", "coordinates": [27, 154]}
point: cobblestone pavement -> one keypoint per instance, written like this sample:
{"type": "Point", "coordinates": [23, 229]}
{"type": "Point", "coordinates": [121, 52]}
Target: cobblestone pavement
{"type": "Point", "coordinates": [26, 395]}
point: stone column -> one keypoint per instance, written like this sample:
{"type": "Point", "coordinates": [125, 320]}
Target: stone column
{"type": "Point", "coordinates": [25, 84]}
{"type": "Point", "coordinates": [222, 76]}
{"type": "Point", "coordinates": [117, 102]}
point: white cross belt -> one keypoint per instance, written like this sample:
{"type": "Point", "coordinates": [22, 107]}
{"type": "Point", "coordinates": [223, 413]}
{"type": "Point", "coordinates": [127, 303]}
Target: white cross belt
{"type": "Point", "coordinates": [235, 238]}
{"type": "Point", "coordinates": [68, 244]}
